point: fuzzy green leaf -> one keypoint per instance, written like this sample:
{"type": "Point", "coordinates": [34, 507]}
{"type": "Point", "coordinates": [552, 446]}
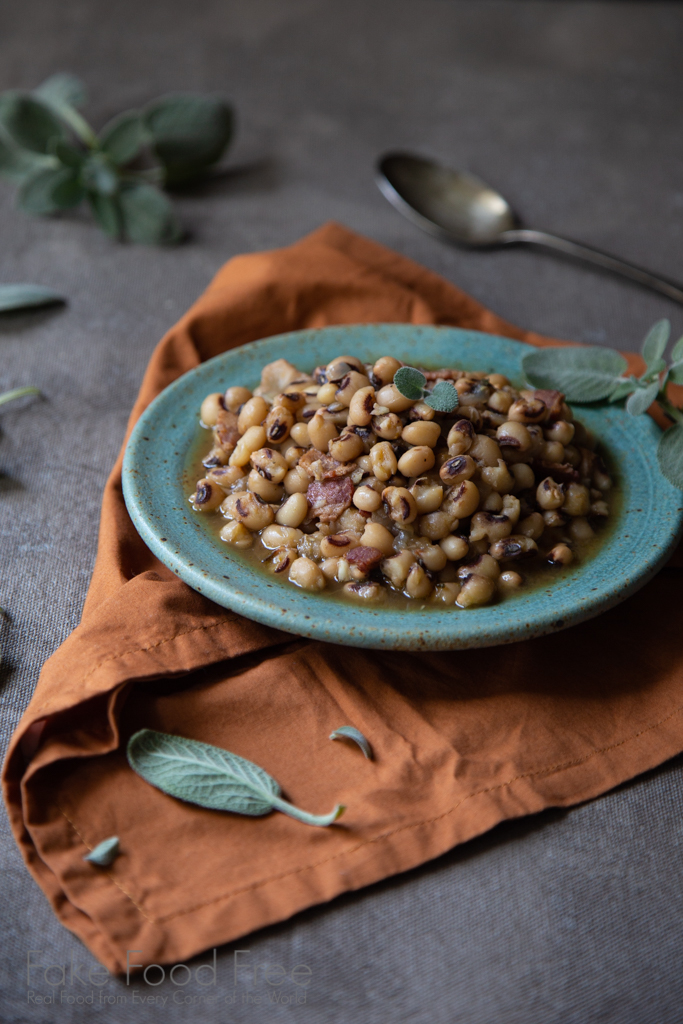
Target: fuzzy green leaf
{"type": "Point", "coordinates": [147, 214]}
{"type": "Point", "coordinates": [583, 374]}
{"type": "Point", "coordinates": [211, 777]}
{"type": "Point", "coordinates": [50, 190]}
{"type": "Point", "coordinates": [124, 137]}
{"type": "Point", "coordinates": [443, 397]}
{"type": "Point", "coordinates": [677, 351]}
{"type": "Point", "coordinates": [655, 343]}
{"type": "Point", "coordinates": [641, 399]}
{"type": "Point", "coordinates": [29, 123]}
{"type": "Point", "coordinates": [410, 382]}
{"type": "Point", "coordinates": [26, 296]}
{"type": "Point", "coordinates": [349, 732]}
{"type": "Point", "coordinates": [99, 175]}
{"type": "Point", "coordinates": [189, 133]}
{"type": "Point", "coordinates": [623, 389]}
{"type": "Point", "coordinates": [61, 89]}
{"type": "Point", "coordinates": [16, 163]}
{"type": "Point", "coordinates": [107, 213]}
{"type": "Point", "coordinates": [105, 853]}
{"type": "Point", "coordinates": [67, 154]}
{"type": "Point", "coordinates": [670, 455]}
{"type": "Point", "coordinates": [676, 373]}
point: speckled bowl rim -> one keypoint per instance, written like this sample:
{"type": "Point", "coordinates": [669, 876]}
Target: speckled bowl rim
{"type": "Point", "coordinates": [650, 517]}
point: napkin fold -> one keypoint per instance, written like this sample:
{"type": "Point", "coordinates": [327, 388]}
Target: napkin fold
{"type": "Point", "coordinates": [462, 740]}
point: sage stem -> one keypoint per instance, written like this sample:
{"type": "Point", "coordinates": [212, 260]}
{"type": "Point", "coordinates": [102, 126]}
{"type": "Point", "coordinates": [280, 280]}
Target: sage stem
{"type": "Point", "coordinates": [9, 396]}
{"type": "Point", "coordinates": [308, 819]}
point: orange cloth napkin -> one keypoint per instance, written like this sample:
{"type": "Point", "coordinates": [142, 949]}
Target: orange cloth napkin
{"type": "Point", "coordinates": [463, 740]}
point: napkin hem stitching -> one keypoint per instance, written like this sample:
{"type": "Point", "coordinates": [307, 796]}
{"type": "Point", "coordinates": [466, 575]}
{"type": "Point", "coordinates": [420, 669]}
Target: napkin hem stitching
{"type": "Point", "coordinates": [385, 835]}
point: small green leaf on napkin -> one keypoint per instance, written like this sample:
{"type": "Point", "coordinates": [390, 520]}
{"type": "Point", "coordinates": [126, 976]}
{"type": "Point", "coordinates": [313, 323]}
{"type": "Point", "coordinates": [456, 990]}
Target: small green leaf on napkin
{"type": "Point", "coordinates": [349, 732]}
{"type": "Point", "coordinates": [212, 777]}
{"type": "Point", "coordinates": [27, 296]}
{"type": "Point", "coordinates": [105, 853]}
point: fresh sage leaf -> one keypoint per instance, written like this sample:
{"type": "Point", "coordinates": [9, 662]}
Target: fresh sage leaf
{"type": "Point", "coordinates": [189, 133]}
{"type": "Point", "coordinates": [670, 455]}
{"type": "Point", "coordinates": [623, 389]}
{"type": "Point", "coordinates": [209, 776]}
{"type": "Point", "coordinates": [147, 215]}
{"type": "Point", "coordinates": [443, 397]}
{"type": "Point", "coordinates": [26, 296]}
{"type": "Point", "coordinates": [105, 853]}
{"type": "Point", "coordinates": [676, 373]}
{"type": "Point", "coordinates": [349, 732]}
{"type": "Point", "coordinates": [99, 175]}
{"type": "Point", "coordinates": [641, 400]}
{"type": "Point", "coordinates": [9, 396]}
{"type": "Point", "coordinates": [410, 382]}
{"type": "Point", "coordinates": [107, 213]}
{"type": "Point", "coordinates": [583, 374]}
{"type": "Point", "coordinates": [655, 343]}
{"type": "Point", "coordinates": [50, 190]}
{"type": "Point", "coordinates": [29, 123]}
{"type": "Point", "coordinates": [61, 89]}
{"type": "Point", "coordinates": [677, 351]}
{"type": "Point", "coordinates": [124, 137]}
{"type": "Point", "coordinates": [17, 163]}
{"type": "Point", "coordinates": [67, 154]}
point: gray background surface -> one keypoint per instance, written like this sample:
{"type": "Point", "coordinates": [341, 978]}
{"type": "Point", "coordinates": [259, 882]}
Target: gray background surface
{"type": "Point", "coordinates": [573, 110]}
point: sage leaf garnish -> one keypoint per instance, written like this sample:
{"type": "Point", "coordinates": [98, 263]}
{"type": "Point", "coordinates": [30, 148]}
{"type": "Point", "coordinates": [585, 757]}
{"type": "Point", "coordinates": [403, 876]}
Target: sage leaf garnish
{"type": "Point", "coordinates": [349, 732]}
{"type": "Point", "coordinates": [412, 384]}
{"type": "Point", "coordinates": [200, 773]}
{"type": "Point", "coordinates": [58, 160]}
{"type": "Point", "coordinates": [585, 374]}
{"type": "Point", "coordinates": [589, 374]}
{"type": "Point", "coordinates": [27, 296]}
{"type": "Point", "coordinates": [9, 396]}
{"type": "Point", "coordinates": [105, 853]}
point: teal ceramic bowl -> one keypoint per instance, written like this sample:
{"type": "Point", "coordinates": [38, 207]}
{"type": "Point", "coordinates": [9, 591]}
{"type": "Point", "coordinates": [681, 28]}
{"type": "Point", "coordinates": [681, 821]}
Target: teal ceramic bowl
{"type": "Point", "coordinates": [649, 516]}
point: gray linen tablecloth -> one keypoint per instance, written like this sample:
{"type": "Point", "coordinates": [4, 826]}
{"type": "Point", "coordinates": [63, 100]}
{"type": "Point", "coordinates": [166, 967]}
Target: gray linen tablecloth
{"type": "Point", "coordinates": [573, 109]}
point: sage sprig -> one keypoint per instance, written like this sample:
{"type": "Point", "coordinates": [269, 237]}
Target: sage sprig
{"type": "Point", "coordinates": [212, 777]}
{"type": "Point", "coordinates": [349, 732]}
{"type": "Point", "coordinates": [15, 297]}
{"type": "Point", "coordinates": [412, 384]}
{"type": "Point", "coordinates": [105, 853]}
{"type": "Point", "coordinates": [58, 160]}
{"type": "Point", "coordinates": [591, 374]}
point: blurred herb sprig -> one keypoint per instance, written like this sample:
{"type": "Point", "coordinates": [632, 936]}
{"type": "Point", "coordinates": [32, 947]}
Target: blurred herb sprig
{"type": "Point", "coordinates": [591, 374]}
{"type": "Point", "coordinates": [58, 161]}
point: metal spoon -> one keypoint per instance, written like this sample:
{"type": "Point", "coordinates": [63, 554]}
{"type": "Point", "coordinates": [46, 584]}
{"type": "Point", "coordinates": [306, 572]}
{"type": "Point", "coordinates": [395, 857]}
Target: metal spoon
{"type": "Point", "coordinates": [461, 208]}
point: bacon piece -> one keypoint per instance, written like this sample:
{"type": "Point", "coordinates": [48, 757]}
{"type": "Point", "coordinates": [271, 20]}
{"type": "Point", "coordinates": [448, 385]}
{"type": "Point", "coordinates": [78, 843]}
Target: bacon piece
{"type": "Point", "coordinates": [225, 432]}
{"type": "Point", "coordinates": [553, 402]}
{"type": "Point", "coordinates": [444, 374]}
{"type": "Point", "coordinates": [327, 500]}
{"type": "Point", "coordinates": [324, 467]}
{"type": "Point", "coordinates": [366, 558]}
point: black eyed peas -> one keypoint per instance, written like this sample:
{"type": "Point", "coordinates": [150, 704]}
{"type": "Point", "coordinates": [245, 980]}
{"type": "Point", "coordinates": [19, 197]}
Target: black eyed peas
{"type": "Point", "coordinates": [337, 482]}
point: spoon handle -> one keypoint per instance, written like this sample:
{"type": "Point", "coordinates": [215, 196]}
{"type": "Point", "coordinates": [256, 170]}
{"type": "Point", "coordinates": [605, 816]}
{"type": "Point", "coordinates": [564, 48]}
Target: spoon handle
{"type": "Point", "coordinates": [601, 259]}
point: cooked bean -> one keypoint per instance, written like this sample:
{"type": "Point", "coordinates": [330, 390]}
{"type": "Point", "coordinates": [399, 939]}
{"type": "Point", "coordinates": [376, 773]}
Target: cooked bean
{"type": "Point", "coordinates": [460, 437]}
{"type": "Point", "coordinates": [367, 499]}
{"type": "Point", "coordinates": [293, 511]}
{"type": "Point", "coordinates": [421, 433]}
{"type": "Point", "coordinates": [338, 544]}
{"type": "Point", "coordinates": [476, 590]}
{"type": "Point", "coordinates": [454, 547]}
{"type": "Point", "coordinates": [499, 380]}
{"type": "Point", "coordinates": [305, 573]}
{"type": "Point", "coordinates": [282, 560]}
{"type": "Point", "coordinates": [383, 460]}
{"type": "Point", "coordinates": [493, 502]}
{"type": "Point", "coordinates": [377, 536]}
{"type": "Point", "coordinates": [346, 447]}
{"type": "Point", "coordinates": [500, 401]}
{"type": "Point", "coordinates": [248, 509]}
{"type": "Point", "coordinates": [512, 508]}
{"type": "Point", "coordinates": [418, 584]}
{"type": "Point", "coordinates": [236, 397]}
{"type": "Point", "coordinates": [237, 534]}
{"type": "Point", "coordinates": [528, 410]}
{"type": "Point", "coordinates": [207, 496]}
{"type": "Point", "coordinates": [401, 504]}
{"type": "Point", "coordinates": [218, 456]}
{"type": "Point", "coordinates": [361, 406]}
{"type": "Point", "coordinates": [388, 426]}
{"type": "Point", "coordinates": [321, 429]}
{"type": "Point", "coordinates": [270, 464]}
{"type": "Point", "coordinates": [524, 476]}
{"type": "Point", "coordinates": [299, 433]}
{"type": "Point", "coordinates": [292, 454]}
{"type": "Point", "coordinates": [349, 385]}
{"type": "Point", "coordinates": [340, 366]}
{"type": "Point", "coordinates": [552, 451]}
{"type": "Point", "coordinates": [354, 520]}
{"type": "Point", "coordinates": [532, 526]}
{"type": "Point", "coordinates": [490, 524]}
{"type": "Point", "coordinates": [514, 546]}
{"type": "Point", "coordinates": [509, 581]}
{"type": "Point", "coordinates": [265, 489]}
{"type": "Point", "coordinates": [499, 477]}
{"type": "Point", "coordinates": [437, 525]}
{"type": "Point", "coordinates": [446, 593]}
{"type": "Point", "coordinates": [580, 529]}
{"type": "Point", "coordinates": [561, 554]}
{"type": "Point", "coordinates": [396, 569]}
{"type": "Point", "coordinates": [572, 455]}
{"type": "Point", "coordinates": [599, 508]}
{"type": "Point", "coordinates": [560, 431]}
{"type": "Point", "coordinates": [549, 494]}
{"type": "Point", "coordinates": [385, 368]}
{"type": "Point", "coordinates": [485, 451]}
{"type": "Point", "coordinates": [422, 411]}
{"type": "Point", "coordinates": [484, 565]}
{"type": "Point", "coordinates": [326, 393]}
{"type": "Point", "coordinates": [463, 499]}
{"type": "Point", "coordinates": [210, 409]}
{"type": "Point", "coordinates": [279, 422]}
{"type": "Point", "coordinates": [576, 500]}
{"type": "Point", "coordinates": [552, 518]}
{"type": "Point", "coordinates": [225, 476]}
{"type": "Point", "coordinates": [337, 569]}
{"type": "Point", "coordinates": [391, 398]}
{"type": "Point", "coordinates": [457, 469]}
{"type": "Point", "coordinates": [364, 591]}
{"type": "Point", "coordinates": [512, 434]}
{"type": "Point", "coordinates": [297, 481]}
{"type": "Point", "coordinates": [416, 460]}
{"type": "Point", "coordinates": [601, 478]}
{"type": "Point", "coordinates": [253, 439]}
{"type": "Point", "coordinates": [428, 494]}
{"type": "Point", "coordinates": [277, 536]}
{"type": "Point", "coordinates": [252, 414]}
{"type": "Point", "coordinates": [432, 556]}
